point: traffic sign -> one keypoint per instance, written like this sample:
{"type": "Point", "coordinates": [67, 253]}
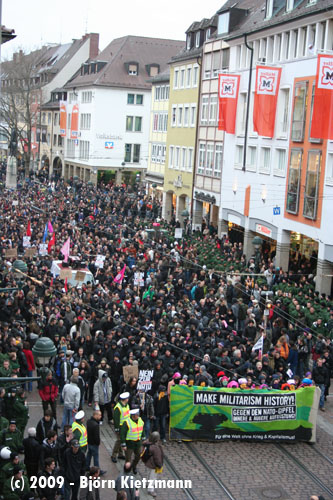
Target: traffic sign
{"type": "Point", "coordinates": [276, 210]}
{"type": "Point", "coordinates": [109, 145]}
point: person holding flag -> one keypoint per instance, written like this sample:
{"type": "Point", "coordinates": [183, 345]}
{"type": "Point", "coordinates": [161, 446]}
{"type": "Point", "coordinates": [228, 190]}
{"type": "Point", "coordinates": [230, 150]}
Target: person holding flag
{"type": "Point", "coordinates": [66, 249]}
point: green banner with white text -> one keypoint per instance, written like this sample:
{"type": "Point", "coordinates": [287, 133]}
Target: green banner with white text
{"type": "Point", "coordinates": [214, 414]}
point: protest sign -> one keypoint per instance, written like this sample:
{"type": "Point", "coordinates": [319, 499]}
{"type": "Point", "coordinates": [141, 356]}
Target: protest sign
{"type": "Point", "coordinates": [130, 371]}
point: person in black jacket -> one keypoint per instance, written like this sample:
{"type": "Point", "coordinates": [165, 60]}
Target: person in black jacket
{"type": "Point", "coordinates": [161, 407]}
{"type": "Point", "coordinates": [64, 442]}
{"type": "Point", "coordinates": [320, 377]}
{"type": "Point", "coordinates": [74, 468]}
{"type": "Point", "coordinates": [47, 492]}
{"type": "Point", "coordinates": [32, 451]}
{"type": "Point", "coordinates": [46, 424]}
{"type": "Point", "coordinates": [94, 440]}
{"type": "Point", "coordinates": [49, 448]}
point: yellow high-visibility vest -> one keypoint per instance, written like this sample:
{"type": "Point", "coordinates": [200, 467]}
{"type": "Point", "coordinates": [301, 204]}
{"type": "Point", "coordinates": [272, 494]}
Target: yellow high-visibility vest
{"type": "Point", "coordinates": [83, 441]}
{"type": "Point", "coordinates": [124, 412]}
{"type": "Point", "coordinates": [135, 430]}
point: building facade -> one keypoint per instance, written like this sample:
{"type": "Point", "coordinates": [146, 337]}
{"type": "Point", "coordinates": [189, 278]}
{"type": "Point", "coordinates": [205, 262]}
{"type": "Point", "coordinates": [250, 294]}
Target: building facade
{"type": "Point", "coordinates": [277, 188]}
{"type": "Point", "coordinates": [185, 73]}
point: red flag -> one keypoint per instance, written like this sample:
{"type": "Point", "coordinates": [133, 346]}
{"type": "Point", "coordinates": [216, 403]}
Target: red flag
{"type": "Point", "coordinates": [228, 97]}
{"type": "Point", "coordinates": [141, 242]}
{"type": "Point", "coordinates": [265, 99]}
{"type": "Point", "coordinates": [51, 283]}
{"type": "Point", "coordinates": [51, 243]}
{"type": "Point", "coordinates": [322, 116]}
{"type": "Point", "coordinates": [28, 233]}
{"type": "Point", "coordinates": [66, 287]}
{"type": "Point", "coordinates": [120, 276]}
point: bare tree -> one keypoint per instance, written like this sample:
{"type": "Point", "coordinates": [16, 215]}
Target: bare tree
{"type": "Point", "coordinates": [21, 97]}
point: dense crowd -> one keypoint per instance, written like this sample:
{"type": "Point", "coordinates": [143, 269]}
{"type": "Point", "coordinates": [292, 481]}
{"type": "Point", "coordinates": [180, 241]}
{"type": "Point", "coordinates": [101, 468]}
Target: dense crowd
{"type": "Point", "coordinates": [190, 310]}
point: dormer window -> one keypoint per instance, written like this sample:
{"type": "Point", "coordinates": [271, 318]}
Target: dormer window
{"type": "Point", "coordinates": [152, 69]}
{"type": "Point", "coordinates": [274, 6]}
{"type": "Point", "coordinates": [289, 5]}
{"type": "Point", "coordinates": [189, 41]}
{"type": "Point", "coordinates": [208, 33]}
{"type": "Point", "coordinates": [197, 39]}
{"type": "Point", "coordinates": [223, 23]}
{"type": "Point", "coordinates": [133, 69]}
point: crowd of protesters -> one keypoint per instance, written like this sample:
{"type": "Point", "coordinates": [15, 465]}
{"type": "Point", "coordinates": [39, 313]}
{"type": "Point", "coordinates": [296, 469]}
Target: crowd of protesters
{"type": "Point", "coordinates": [190, 310]}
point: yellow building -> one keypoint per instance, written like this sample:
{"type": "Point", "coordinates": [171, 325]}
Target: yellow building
{"type": "Point", "coordinates": [185, 71]}
{"type": "Point", "coordinates": [158, 133]}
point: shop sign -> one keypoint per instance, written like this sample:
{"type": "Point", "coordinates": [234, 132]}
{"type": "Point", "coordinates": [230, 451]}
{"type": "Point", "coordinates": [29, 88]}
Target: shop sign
{"type": "Point", "coordinates": [205, 197]}
{"type": "Point", "coordinates": [263, 230]}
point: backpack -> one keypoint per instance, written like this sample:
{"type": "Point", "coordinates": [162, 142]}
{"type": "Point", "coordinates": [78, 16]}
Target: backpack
{"type": "Point", "coordinates": [145, 455]}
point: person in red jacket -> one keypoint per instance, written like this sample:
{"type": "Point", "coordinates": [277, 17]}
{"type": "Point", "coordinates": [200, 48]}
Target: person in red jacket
{"type": "Point", "coordinates": [30, 361]}
{"type": "Point", "coordinates": [48, 393]}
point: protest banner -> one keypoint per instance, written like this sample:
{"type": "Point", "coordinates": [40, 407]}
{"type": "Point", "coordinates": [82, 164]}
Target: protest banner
{"type": "Point", "coordinates": [26, 241]}
{"type": "Point", "coordinates": [65, 273]}
{"type": "Point", "coordinates": [10, 253]}
{"type": "Point", "coordinates": [80, 276]}
{"type": "Point", "coordinates": [145, 380]}
{"type": "Point", "coordinates": [42, 249]}
{"type": "Point", "coordinates": [139, 279]}
{"type": "Point", "coordinates": [178, 233]}
{"type": "Point", "coordinates": [214, 414]}
{"type": "Point", "coordinates": [100, 261]}
{"type": "Point", "coordinates": [30, 251]}
{"type": "Point", "coordinates": [130, 371]}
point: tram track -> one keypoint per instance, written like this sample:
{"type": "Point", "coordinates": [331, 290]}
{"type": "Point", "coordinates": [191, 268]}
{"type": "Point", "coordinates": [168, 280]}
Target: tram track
{"type": "Point", "coordinates": [322, 455]}
{"type": "Point", "coordinates": [177, 476]}
{"type": "Point", "coordinates": [305, 469]}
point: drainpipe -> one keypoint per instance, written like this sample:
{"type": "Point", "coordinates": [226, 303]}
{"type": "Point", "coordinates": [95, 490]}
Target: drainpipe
{"type": "Point", "coordinates": [248, 102]}
{"type": "Point", "coordinates": [199, 61]}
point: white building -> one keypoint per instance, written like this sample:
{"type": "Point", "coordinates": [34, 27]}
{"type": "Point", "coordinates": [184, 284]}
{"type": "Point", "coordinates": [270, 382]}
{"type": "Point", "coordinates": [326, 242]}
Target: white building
{"type": "Point", "coordinates": [113, 96]}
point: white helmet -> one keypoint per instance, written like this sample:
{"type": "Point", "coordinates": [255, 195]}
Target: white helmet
{"type": "Point", "coordinates": [5, 453]}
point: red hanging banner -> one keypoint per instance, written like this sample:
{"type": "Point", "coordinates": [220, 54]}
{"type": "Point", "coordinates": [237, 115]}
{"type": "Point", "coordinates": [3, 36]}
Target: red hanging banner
{"type": "Point", "coordinates": [63, 118]}
{"type": "Point", "coordinates": [228, 97]}
{"type": "Point", "coordinates": [265, 99]}
{"type": "Point", "coordinates": [75, 122]}
{"type": "Point", "coordinates": [322, 115]}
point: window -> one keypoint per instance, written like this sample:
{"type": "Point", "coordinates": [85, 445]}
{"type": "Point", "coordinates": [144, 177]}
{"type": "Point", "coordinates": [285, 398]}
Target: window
{"type": "Point", "coordinates": [55, 139]}
{"type": "Point", "coordinates": [299, 114]}
{"type": "Point", "coordinates": [195, 76]}
{"type": "Point", "coordinates": [204, 108]}
{"type": "Point", "coordinates": [225, 58]}
{"type": "Point", "coordinates": [208, 65]}
{"type": "Point", "coordinates": [188, 41]}
{"type": "Point", "coordinates": [193, 115]}
{"type": "Point", "coordinates": [56, 119]}
{"type": "Point", "coordinates": [182, 78]}
{"type": "Point", "coordinates": [294, 180]}
{"type": "Point", "coordinates": [155, 122]}
{"type": "Point", "coordinates": [329, 169]}
{"type": "Point", "coordinates": [72, 97]}
{"type": "Point", "coordinates": [129, 123]}
{"type": "Point", "coordinates": [201, 157]}
{"type": "Point", "coordinates": [207, 34]}
{"type": "Point", "coordinates": [190, 159]}
{"type": "Point", "coordinates": [85, 121]}
{"type": "Point", "coordinates": [162, 97]}
{"type": "Point", "coordinates": [139, 99]}
{"type": "Point", "coordinates": [133, 69]}
{"type": "Point", "coordinates": [290, 5]}
{"type": "Point", "coordinates": [175, 79]}
{"type": "Point", "coordinates": [285, 54]}
{"type": "Point", "coordinates": [322, 27]}
{"type": "Point", "coordinates": [251, 160]}
{"type": "Point", "coordinates": [188, 76]}
{"type": "Point", "coordinates": [283, 114]}
{"type": "Point", "coordinates": [180, 116]}
{"type": "Point", "coordinates": [174, 116]}
{"type": "Point", "coordinates": [295, 43]}
{"type": "Point", "coordinates": [183, 160]}
{"type": "Point", "coordinates": [167, 92]}
{"type": "Point", "coordinates": [265, 160]}
{"type": "Point", "coordinates": [218, 160]}
{"type": "Point", "coordinates": [239, 155]}
{"type": "Point", "coordinates": [86, 96]}
{"type": "Point", "coordinates": [153, 153]}
{"type": "Point", "coordinates": [84, 150]}
{"type": "Point", "coordinates": [209, 159]}
{"type": "Point", "coordinates": [197, 39]}
{"type": "Point", "coordinates": [186, 115]}
{"type": "Point", "coordinates": [130, 98]}
{"type": "Point", "coordinates": [216, 64]}
{"type": "Point", "coordinates": [60, 140]}
{"type": "Point", "coordinates": [223, 23]}
{"type": "Point", "coordinates": [70, 148]}
{"type": "Point", "coordinates": [138, 124]}
{"type": "Point", "coordinates": [49, 118]}
{"type": "Point", "coordinates": [312, 139]}
{"type": "Point", "coordinates": [163, 154]}
{"type": "Point", "coordinates": [177, 155]}
{"type": "Point", "coordinates": [171, 152]}
{"type": "Point", "coordinates": [213, 109]}
{"type": "Point", "coordinates": [241, 113]}
{"type": "Point", "coordinates": [312, 185]}
{"type": "Point", "coordinates": [280, 161]}
{"type": "Point", "coordinates": [157, 93]}
{"type": "Point", "coordinates": [132, 149]}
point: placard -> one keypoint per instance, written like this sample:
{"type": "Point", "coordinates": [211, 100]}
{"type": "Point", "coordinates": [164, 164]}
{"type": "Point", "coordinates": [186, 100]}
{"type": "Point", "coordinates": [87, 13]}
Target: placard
{"type": "Point", "coordinates": [80, 276]}
{"type": "Point", "coordinates": [139, 279]}
{"type": "Point", "coordinates": [100, 261]}
{"type": "Point", "coordinates": [130, 371]}
{"type": "Point", "coordinates": [26, 241]}
{"type": "Point", "coordinates": [30, 251]}
{"type": "Point", "coordinates": [178, 232]}
{"type": "Point", "coordinates": [43, 249]}
{"type": "Point", "coordinates": [145, 380]}
{"type": "Point", "coordinates": [15, 203]}
{"type": "Point", "coordinates": [65, 273]}
{"type": "Point", "coordinates": [10, 253]}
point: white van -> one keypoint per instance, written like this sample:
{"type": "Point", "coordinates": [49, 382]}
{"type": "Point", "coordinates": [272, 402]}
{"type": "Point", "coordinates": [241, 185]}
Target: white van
{"type": "Point", "coordinates": [84, 275]}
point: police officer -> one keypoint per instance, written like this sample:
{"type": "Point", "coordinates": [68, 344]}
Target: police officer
{"type": "Point", "coordinates": [120, 414]}
{"type": "Point", "coordinates": [131, 436]}
{"type": "Point", "coordinates": [80, 431]}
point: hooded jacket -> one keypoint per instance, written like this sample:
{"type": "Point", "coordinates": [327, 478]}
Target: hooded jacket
{"type": "Point", "coordinates": [102, 389]}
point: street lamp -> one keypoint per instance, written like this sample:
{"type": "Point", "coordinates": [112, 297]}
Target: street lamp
{"type": "Point", "coordinates": [43, 350]}
{"type": "Point", "coordinates": [19, 269]}
{"type": "Point", "coordinates": [257, 243]}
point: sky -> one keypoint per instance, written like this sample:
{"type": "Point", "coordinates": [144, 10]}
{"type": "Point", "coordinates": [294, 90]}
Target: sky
{"type": "Point", "coordinates": [38, 22]}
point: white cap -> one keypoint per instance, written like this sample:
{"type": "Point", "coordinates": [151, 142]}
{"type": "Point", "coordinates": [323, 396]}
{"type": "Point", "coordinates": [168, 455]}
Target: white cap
{"type": "Point", "coordinates": [124, 395]}
{"type": "Point", "coordinates": [136, 411]}
{"type": "Point", "coordinates": [79, 415]}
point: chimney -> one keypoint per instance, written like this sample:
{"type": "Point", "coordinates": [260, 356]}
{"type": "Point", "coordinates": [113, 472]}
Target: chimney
{"type": "Point", "coordinates": [94, 41]}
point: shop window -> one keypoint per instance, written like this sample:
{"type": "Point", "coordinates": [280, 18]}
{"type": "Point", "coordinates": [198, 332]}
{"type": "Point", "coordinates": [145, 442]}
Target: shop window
{"type": "Point", "coordinates": [294, 180]}
{"type": "Point", "coordinates": [299, 114]}
{"type": "Point", "coordinates": [312, 185]}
